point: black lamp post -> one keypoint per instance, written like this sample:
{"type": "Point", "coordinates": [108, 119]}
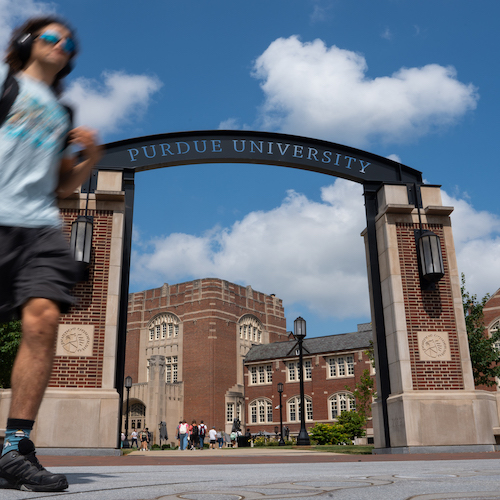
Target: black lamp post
{"type": "Point", "coordinates": [280, 391]}
{"type": "Point", "coordinates": [299, 332]}
{"type": "Point", "coordinates": [128, 385]}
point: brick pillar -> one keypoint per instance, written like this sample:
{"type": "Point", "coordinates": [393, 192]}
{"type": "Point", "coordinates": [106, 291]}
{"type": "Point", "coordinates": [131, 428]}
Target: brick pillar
{"type": "Point", "coordinates": [433, 405]}
{"type": "Point", "coordinates": [81, 405]}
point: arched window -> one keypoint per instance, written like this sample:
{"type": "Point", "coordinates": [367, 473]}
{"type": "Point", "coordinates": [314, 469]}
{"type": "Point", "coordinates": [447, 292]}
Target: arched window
{"type": "Point", "coordinates": [260, 411]}
{"type": "Point", "coordinates": [493, 329]}
{"type": "Point", "coordinates": [164, 327]}
{"type": "Point", "coordinates": [250, 329]}
{"type": "Point", "coordinates": [342, 401]}
{"type": "Point", "coordinates": [293, 409]}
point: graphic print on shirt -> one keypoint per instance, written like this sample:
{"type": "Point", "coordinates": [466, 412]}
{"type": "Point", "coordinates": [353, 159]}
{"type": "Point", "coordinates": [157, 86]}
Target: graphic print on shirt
{"type": "Point", "coordinates": [37, 124]}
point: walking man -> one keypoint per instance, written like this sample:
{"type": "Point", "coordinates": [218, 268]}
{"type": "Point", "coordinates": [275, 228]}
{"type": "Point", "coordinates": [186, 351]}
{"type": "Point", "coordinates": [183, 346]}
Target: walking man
{"type": "Point", "coordinates": [202, 430]}
{"type": "Point", "coordinates": [37, 270]}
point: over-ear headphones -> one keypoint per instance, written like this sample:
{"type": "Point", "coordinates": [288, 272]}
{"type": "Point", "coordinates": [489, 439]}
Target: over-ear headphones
{"type": "Point", "coordinates": [23, 45]}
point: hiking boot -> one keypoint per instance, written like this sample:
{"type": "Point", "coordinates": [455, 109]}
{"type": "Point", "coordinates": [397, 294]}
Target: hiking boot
{"type": "Point", "coordinates": [22, 470]}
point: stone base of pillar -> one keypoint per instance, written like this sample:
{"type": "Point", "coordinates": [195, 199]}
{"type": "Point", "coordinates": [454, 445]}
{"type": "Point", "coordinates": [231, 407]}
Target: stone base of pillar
{"type": "Point", "coordinates": [437, 421]}
{"type": "Point", "coordinates": [436, 449]}
{"type": "Point", "coordinates": [73, 418]}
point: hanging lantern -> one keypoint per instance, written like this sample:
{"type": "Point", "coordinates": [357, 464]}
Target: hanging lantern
{"type": "Point", "coordinates": [430, 257]}
{"type": "Point", "coordinates": [81, 238]}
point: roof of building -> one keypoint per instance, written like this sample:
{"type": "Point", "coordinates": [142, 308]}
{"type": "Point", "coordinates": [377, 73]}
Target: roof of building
{"type": "Point", "coordinates": [318, 345]}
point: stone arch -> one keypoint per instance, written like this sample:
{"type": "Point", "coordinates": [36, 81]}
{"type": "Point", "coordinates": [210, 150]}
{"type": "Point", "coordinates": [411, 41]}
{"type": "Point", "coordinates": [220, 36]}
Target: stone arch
{"type": "Point", "coordinates": [397, 206]}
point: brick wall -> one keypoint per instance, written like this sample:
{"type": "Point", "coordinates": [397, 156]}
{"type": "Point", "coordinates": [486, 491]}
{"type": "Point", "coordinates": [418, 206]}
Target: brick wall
{"type": "Point", "coordinates": [428, 311]}
{"type": "Point", "coordinates": [319, 389]}
{"type": "Point", "coordinates": [86, 372]}
{"type": "Point", "coordinates": [209, 310]}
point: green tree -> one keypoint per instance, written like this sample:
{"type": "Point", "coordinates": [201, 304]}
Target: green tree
{"type": "Point", "coordinates": [484, 355]}
{"type": "Point", "coordinates": [10, 338]}
{"type": "Point", "coordinates": [364, 394]}
{"type": "Point", "coordinates": [353, 423]}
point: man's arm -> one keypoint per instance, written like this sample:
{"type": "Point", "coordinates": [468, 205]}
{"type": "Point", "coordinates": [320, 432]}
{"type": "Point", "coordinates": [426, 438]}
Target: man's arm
{"type": "Point", "coordinates": [70, 175]}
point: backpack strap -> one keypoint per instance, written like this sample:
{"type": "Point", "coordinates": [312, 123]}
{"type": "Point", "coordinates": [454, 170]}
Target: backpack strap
{"type": "Point", "coordinates": [10, 90]}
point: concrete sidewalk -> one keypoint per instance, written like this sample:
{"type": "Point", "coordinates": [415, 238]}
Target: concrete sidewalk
{"type": "Point", "coordinates": [267, 474]}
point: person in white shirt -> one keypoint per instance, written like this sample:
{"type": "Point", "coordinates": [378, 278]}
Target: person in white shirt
{"type": "Point", "coordinates": [212, 434]}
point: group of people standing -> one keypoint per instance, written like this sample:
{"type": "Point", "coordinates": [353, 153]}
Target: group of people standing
{"type": "Point", "coordinates": [143, 435]}
{"type": "Point", "coordinates": [192, 436]}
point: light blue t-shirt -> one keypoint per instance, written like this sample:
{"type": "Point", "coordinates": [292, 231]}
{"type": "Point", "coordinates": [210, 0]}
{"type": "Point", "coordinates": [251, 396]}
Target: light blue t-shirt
{"type": "Point", "coordinates": [31, 149]}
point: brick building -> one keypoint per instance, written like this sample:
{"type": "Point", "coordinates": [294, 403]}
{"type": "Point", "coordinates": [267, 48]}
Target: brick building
{"type": "Point", "coordinates": [491, 312]}
{"type": "Point", "coordinates": [185, 349]}
{"type": "Point", "coordinates": [331, 364]}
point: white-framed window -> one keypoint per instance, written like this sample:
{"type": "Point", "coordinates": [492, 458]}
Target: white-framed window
{"type": "Point", "coordinates": [171, 372]}
{"type": "Point", "coordinates": [163, 326]}
{"type": "Point", "coordinates": [269, 374]}
{"type": "Point", "coordinates": [494, 329]}
{"type": "Point", "coordinates": [293, 370]}
{"type": "Point", "coordinates": [341, 366]}
{"type": "Point", "coordinates": [262, 374]}
{"type": "Point", "coordinates": [261, 411]}
{"type": "Point", "coordinates": [293, 409]}
{"type": "Point", "coordinates": [307, 369]}
{"type": "Point", "coordinates": [253, 373]}
{"type": "Point", "coordinates": [342, 401]}
{"type": "Point", "coordinates": [229, 412]}
{"type": "Point", "coordinates": [250, 328]}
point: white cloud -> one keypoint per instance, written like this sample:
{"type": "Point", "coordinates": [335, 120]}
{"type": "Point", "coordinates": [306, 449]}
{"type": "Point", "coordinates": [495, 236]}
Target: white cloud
{"type": "Point", "coordinates": [112, 104]}
{"type": "Point", "coordinates": [477, 243]}
{"type": "Point", "coordinates": [120, 98]}
{"type": "Point", "coordinates": [309, 252]}
{"type": "Point", "coordinates": [304, 251]}
{"type": "Point", "coordinates": [14, 12]}
{"type": "Point", "coordinates": [323, 92]}
{"type": "Point", "coordinates": [394, 157]}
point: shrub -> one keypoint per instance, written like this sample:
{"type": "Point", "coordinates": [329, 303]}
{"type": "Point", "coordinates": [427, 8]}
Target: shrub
{"type": "Point", "coordinates": [353, 424]}
{"type": "Point", "coordinates": [260, 441]}
{"type": "Point", "coordinates": [329, 434]}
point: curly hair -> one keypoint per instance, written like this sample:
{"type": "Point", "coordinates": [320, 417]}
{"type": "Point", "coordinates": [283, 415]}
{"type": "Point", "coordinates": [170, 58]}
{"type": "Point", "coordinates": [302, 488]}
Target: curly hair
{"type": "Point", "coordinates": [34, 25]}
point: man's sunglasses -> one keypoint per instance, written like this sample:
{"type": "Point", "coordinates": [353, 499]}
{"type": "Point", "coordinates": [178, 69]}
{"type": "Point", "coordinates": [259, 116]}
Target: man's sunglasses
{"type": "Point", "coordinates": [53, 37]}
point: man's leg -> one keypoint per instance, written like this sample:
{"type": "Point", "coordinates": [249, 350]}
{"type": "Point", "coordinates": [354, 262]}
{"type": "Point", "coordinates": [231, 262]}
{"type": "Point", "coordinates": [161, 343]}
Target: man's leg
{"type": "Point", "coordinates": [33, 365]}
{"type": "Point", "coordinates": [19, 467]}
{"type": "Point", "coordinates": [32, 368]}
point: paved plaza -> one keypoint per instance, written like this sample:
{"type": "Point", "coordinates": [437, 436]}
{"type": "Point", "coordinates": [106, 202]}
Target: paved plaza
{"type": "Point", "coordinates": [264, 474]}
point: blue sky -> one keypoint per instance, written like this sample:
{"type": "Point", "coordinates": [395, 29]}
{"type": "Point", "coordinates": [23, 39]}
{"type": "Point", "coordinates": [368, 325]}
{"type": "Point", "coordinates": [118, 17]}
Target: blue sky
{"type": "Point", "coordinates": [414, 81]}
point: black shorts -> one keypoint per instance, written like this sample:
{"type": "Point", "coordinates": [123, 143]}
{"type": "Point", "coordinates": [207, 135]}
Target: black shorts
{"type": "Point", "coordinates": [34, 263]}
